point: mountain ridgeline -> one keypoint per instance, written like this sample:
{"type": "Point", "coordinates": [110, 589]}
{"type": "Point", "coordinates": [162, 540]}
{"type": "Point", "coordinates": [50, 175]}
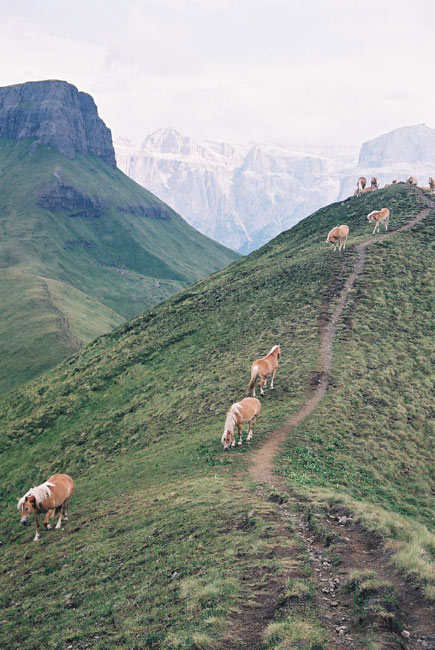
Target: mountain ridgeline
{"type": "Point", "coordinates": [82, 247]}
{"type": "Point", "coordinates": [167, 541]}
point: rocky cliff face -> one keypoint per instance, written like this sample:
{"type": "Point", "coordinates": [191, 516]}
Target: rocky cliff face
{"type": "Point", "coordinates": [239, 195]}
{"type": "Point", "coordinates": [58, 115]}
{"type": "Point", "coordinates": [409, 144]}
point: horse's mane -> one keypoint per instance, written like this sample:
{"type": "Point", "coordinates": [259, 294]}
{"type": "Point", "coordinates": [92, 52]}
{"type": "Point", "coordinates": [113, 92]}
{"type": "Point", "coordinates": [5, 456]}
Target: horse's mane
{"type": "Point", "coordinates": [372, 213]}
{"type": "Point", "coordinates": [230, 422]}
{"type": "Point", "coordinates": [40, 492]}
{"type": "Point", "coordinates": [273, 349]}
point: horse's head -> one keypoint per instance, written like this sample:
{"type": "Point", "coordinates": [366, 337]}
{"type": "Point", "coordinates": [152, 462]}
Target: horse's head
{"type": "Point", "coordinates": [371, 216]}
{"type": "Point", "coordinates": [227, 440]}
{"type": "Point", "coordinates": [26, 505]}
{"type": "Point", "coordinates": [278, 351]}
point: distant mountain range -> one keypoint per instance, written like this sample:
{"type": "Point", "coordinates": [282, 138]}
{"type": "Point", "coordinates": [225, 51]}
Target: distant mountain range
{"type": "Point", "coordinates": [82, 246]}
{"type": "Point", "coordinates": [242, 196]}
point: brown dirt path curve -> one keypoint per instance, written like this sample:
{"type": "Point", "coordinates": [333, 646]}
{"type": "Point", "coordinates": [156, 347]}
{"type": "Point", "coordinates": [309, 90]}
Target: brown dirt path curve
{"type": "Point", "coordinates": [358, 548]}
{"type": "Point", "coordinates": [261, 469]}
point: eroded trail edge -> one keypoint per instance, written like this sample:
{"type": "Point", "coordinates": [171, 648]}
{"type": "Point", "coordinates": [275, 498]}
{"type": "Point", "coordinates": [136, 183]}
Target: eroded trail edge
{"type": "Point", "coordinates": [359, 550]}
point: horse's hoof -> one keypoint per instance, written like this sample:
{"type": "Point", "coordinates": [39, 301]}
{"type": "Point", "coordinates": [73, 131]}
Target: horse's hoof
{"type": "Point", "coordinates": [239, 443]}
{"type": "Point", "coordinates": [49, 526]}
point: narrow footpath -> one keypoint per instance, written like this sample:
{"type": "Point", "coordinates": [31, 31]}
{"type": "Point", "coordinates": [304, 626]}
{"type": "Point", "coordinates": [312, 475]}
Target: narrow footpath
{"type": "Point", "coordinates": [358, 549]}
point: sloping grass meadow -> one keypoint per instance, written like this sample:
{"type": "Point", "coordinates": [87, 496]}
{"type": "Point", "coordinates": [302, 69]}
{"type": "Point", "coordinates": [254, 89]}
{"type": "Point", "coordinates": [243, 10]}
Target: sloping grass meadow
{"type": "Point", "coordinates": [167, 538]}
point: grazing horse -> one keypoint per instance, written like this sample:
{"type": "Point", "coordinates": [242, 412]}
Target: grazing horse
{"type": "Point", "coordinates": [412, 180]}
{"type": "Point", "coordinates": [247, 410]}
{"type": "Point", "coordinates": [432, 185]}
{"type": "Point", "coordinates": [374, 183]}
{"type": "Point", "coordinates": [262, 368]}
{"type": "Point", "coordinates": [49, 497]}
{"type": "Point", "coordinates": [338, 235]}
{"type": "Point", "coordinates": [362, 182]}
{"type": "Point", "coordinates": [380, 216]}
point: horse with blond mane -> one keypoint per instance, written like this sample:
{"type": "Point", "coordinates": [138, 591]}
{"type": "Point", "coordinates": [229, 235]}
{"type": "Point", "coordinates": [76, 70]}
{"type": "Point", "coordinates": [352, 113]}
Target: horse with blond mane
{"type": "Point", "coordinates": [263, 368]}
{"type": "Point", "coordinates": [247, 410]}
{"type": "Point", "coordinates": [50, 497]}
{"type": "Point", "coordinates": [338, 235]}
{"type": "Point", "coordinates": [362, 181]}
{"type": "Point", "coordinates": [380, 216]}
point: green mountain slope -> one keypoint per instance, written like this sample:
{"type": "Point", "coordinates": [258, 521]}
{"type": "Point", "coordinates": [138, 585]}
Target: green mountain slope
{"type": "Point", "coordinates": [99, 234]}
{"type": "Point", "coordinates": [168, 542]}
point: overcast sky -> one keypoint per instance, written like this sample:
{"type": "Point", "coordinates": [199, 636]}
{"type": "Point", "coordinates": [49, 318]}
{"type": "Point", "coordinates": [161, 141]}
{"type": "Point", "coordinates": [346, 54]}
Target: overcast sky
{"type": "Point", "coordinates": [309, 72]}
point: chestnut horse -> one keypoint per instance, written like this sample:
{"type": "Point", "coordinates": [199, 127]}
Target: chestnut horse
{"type": "Point", "coordinates": [432, 185]}
{"type": "Point", "coordinates": [247, 410]}
{"type": "Point", "coordinates": [262, 368]}
{"type": "Point", "coordinates": [362, 181]}
{"type": "Point", "coordinates": [412, 180]}
{"type": "Point", "coordinates": [338, 235]}
{"type": "Point", "coordinates": [380, 216]}
{"type": "Point", "coordinates": [50, 497]}
{"type": "Point", "coordinates": [374, 183]}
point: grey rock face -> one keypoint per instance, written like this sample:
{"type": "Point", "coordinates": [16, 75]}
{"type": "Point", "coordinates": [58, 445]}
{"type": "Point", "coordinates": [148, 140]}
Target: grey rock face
{"type": "Point", "coordinates": [410, 144]}
{"type": "Point", "coordinates": [58, 115]}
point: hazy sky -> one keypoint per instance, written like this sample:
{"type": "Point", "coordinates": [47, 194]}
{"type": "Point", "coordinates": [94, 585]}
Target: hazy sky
{"type": "Point", "coordinates": [307, 72]}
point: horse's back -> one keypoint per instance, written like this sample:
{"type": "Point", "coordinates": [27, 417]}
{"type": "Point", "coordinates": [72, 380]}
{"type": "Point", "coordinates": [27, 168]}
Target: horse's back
{"type": "Point", "coordinates": [343, 230]}
{"type": "Point", "coordinates": [62, 488]}
{"type": "Point", "coordinates": [251, 406]}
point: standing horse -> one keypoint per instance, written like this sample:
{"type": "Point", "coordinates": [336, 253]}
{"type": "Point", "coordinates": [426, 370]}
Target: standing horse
{"type": "Point", "coordinates": [338, 235]}
{"type": "Point", "coordinates": [263, 367]}
{"type": "Point", "coordinates": [374, 183]}
{"type": "Point", "coordinates": [432, 185]}
{"type": "Point", "coordinates": [380, 216]}
{"type": "Point", "coordinates": [50, 497]}
{"type": "Point", "coordinates": [412, 180]}
{"type": "Point", "coordinates": [362, 182]}
{"type": "Point", "coordinates": [247, 410]}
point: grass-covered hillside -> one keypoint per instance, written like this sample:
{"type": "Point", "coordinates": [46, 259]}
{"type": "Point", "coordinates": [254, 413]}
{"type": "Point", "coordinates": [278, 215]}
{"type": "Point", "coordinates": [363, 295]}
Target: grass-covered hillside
{"type": "Point", "coordinates": [168, 545]}
{"type": "Point", "coordinates": [82, 247]}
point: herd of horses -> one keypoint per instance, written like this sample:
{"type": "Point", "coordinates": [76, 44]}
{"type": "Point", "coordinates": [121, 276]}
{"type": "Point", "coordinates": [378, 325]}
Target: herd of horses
{"type": "Point", "coordinates": [52, 497]}
{"type": "Point", "coordinates": [362, 182]}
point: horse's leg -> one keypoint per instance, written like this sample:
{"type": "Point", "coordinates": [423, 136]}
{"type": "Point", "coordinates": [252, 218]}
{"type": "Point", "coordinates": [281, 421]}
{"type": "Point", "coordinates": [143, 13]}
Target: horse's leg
{"type": "Point", "coordinates": [65, 509]}
{"type": "Point", "coordinates": [273, 377]}
{"type": "Point", "coordinates": [59, 512]}
{"type": "Point", "coordinates": [376, 225]}
{"type": "Point", "coordinates": [239, 427]}
{"type": "Point", "coordinates": [35, 539]}
{"type": "Point", "coordinates": [251, 424]}
{"type": "Point", "coordinates": [261, 386]}
{"type": "Point", "coordinates": [46, 521]}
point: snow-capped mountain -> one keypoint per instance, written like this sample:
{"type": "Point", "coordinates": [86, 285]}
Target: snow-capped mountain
{"type": "Point", "coordinates": [243, 195]}
{"type": "Point", "coordinates": [240, 195]}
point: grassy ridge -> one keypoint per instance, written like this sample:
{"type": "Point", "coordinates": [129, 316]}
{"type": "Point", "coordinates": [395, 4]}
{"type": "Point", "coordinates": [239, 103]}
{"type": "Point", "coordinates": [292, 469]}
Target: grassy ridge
{"type": "Point", "coordinates": [136, 418]}
{"type": "Point", "coordinates": [115, 251]}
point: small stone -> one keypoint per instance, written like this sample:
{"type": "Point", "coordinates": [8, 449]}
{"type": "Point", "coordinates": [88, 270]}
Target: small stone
{"type": "Point", "coordinates": [406, 634]}
{"type": "Point", "coordinates": [334, 603]}
{"type": "Point", "coordinates": [342, 520]}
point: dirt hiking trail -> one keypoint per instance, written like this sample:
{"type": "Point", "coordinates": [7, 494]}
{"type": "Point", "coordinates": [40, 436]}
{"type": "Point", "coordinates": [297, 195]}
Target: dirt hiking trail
{"type": "Point", "coordinates": [411, 623]}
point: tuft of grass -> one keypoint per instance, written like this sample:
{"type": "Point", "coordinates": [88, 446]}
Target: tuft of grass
{"type": "Point", "coordinates": [292, 632]}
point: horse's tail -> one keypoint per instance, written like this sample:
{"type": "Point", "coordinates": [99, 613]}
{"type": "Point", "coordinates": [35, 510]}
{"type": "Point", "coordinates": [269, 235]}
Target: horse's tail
{"type": "Point", "coordinates": [254, 373]}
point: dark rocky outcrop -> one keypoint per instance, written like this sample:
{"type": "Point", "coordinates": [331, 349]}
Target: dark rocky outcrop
{"type": "Point", "coordinates": [58, 115]}
{"type": "Point", "coordinates": [153, 211]}
{"type": "Point", "coordinates": [60, 196]}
